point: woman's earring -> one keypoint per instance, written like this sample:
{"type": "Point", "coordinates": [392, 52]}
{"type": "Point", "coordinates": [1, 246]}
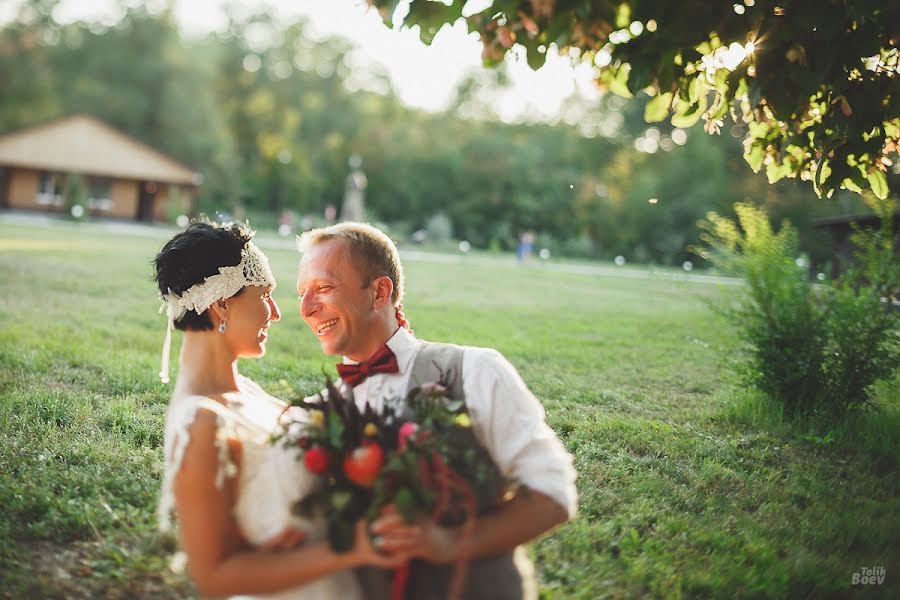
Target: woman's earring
{"type": "Point", "coordinates": [222, 326]}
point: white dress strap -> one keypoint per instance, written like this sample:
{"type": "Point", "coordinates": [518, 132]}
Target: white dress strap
{"type": "Point", "coordinates": [180, 417]}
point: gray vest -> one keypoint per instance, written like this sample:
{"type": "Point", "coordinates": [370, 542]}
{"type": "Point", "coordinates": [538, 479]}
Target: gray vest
{"type": "Point", "coordinates": [507, 576]}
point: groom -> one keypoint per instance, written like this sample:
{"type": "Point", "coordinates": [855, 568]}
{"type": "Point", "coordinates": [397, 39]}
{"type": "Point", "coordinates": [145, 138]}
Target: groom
{"type": "Point", "coordinates": [351, 290]}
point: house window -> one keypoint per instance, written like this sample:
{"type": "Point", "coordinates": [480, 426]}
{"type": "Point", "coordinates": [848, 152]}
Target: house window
{"type": "Point", "coordinates": [99, 193]}
{"type": "Point", "coordinates": [50, 189]}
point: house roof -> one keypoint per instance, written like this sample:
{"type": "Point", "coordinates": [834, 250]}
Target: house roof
{"type": "Point", "coordinates": [83, 144]}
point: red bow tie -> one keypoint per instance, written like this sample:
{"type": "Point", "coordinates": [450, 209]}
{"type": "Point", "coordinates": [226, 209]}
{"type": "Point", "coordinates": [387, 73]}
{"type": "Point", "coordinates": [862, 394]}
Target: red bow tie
{"type": "Point", "coordinates": [383, 361]}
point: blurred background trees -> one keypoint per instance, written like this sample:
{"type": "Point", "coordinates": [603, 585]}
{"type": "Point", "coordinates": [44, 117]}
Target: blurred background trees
{"type": "Point", "coordinates": [269, 115]}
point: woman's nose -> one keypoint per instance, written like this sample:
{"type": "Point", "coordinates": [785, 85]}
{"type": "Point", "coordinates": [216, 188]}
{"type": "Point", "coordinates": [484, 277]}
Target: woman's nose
{"type": "Point", "coordinates": [276, 312]}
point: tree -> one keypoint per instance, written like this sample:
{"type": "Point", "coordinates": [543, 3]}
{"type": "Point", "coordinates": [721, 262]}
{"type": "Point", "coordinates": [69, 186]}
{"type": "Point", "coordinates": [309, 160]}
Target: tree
{"type": "Point", "coordinates": [816, 81]}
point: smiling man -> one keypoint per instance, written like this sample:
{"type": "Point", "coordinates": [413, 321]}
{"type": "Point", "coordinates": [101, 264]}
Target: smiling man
{"type": "Point", "coordinates": [351, 288]}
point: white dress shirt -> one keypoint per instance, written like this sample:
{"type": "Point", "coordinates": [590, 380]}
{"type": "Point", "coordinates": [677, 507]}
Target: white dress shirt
{"type": "Point", "coordinates": [506, 417]}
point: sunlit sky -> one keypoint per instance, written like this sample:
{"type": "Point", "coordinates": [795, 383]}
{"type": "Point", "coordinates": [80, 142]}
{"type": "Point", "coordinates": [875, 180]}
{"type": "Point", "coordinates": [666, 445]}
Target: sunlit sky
{"type": "Point", "coordinates": [423, 76]}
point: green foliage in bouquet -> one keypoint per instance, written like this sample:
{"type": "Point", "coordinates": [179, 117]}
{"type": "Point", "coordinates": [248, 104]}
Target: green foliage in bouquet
{"type": "Point", "coordinates": [814, 349]}
{"type": "Point", "coordinates": [335, 428]}
{"type": "Point", "coordinates": [438, 469]}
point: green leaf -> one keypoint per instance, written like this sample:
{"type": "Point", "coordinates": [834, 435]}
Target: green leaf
{"type": "Point", "coordinates": [405, 502]}
{"type": "Point", "coordinates": [340, 533]}
{"type": "Point", "coordinates": [741, 88]}
{"type": "Point", "coordinates": [878, 182]}
{"type": "Point", "coordinates": [617, 80]}
{"type": "Point", "coordinates": [454, 405]}
{"type": "Point", "coordinates": [387, 12]}
{"type": "Point", "coordinates": [776, 171]}
{"type": "Point", "coordinates": [892, 128]}
{"type": "Point", "coordinates": [623, 15]}
{"type": "Point", "coordinates": [431, 17]}
{"type": "Point", "coordinates": [340, 499]}
{"type": "Point", "coordinates": [754, 157]}
{"type": "Point", "coordinates": [688, 114]}
{"type": "Point", "coordinates": [536, 60]}
{"type": "Point", "coordinates": [695, 88]}
{"type": "Point", "coordinates": [720, 108]}
{"type": "Point", "coordinates": [823, 172]}
{"type": "Point", "coordinates": [851, 185]}
{"type": "Point", "coordinates": [657, 108]}
{"type": "Point", "coordinates": [640, 76]}
{"type": "Point", "coordinates": [335, 429]}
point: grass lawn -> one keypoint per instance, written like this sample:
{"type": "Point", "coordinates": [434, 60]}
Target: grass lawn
{"type": "Point", "coordinates": [686, 487]}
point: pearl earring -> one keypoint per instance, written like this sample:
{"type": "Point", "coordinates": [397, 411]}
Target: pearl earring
{"type": "Point", "coordinates": [222, 326]}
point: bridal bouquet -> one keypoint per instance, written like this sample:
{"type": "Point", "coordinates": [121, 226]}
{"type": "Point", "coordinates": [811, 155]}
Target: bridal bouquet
{"type": "Point", "coordinates": [417, 453]}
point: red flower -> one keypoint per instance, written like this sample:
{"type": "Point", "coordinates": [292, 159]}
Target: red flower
{"type": "Point", "coordinates": [407, 430]}
{"type": "Point", "coordinates": [317, 460]}
{"type": "Point", "coordinates": [363, 464]}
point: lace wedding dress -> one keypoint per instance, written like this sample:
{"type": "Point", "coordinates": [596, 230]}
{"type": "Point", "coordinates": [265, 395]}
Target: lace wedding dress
{"type": "Point", "coordinates": [270, 481]}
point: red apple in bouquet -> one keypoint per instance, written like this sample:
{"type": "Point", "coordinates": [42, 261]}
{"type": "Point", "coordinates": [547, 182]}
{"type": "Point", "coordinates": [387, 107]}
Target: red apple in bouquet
{"type": "Point", "coordinates": [363, 464]}
{"type": "Point", "coordinates": [317, 460]}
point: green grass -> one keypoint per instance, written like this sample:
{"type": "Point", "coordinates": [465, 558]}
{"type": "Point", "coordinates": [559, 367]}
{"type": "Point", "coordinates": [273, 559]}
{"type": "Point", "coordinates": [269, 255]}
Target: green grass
{"type": "Point", "coordinates": [688, 486]}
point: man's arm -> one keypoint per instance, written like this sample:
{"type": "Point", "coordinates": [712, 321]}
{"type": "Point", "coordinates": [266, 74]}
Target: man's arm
{"type": "Point", "coordinates": [528, 515]}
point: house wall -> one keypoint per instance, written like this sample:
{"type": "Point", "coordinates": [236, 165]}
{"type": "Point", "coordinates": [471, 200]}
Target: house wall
{"type": "Point", "coordinates": [163, 210]}
{"type": "Point", "coordinates": [4, 187]}
{"type": "Point", "coordinates": [23, 188]}
{"type": "Point", "coordinates": [125, 199]}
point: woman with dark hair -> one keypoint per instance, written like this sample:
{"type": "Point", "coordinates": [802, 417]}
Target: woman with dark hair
{"type": "Point", "coordinates": [231, 489]}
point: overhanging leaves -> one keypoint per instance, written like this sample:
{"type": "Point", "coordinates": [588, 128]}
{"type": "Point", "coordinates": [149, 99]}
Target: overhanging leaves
{"type": "Point", "coordinates": [827, 73]}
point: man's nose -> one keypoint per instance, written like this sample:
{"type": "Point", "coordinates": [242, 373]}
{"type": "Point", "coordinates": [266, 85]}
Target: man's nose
{"type": "Point", "coordinates": [308, 305]}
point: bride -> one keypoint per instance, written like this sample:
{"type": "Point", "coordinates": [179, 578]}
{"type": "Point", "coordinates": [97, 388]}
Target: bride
{"type": "Point", "coordinates": [230, 488]}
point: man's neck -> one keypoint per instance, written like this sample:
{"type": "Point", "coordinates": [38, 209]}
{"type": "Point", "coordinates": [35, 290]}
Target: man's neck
{"type": "Point", "coordinates": [377, 342]}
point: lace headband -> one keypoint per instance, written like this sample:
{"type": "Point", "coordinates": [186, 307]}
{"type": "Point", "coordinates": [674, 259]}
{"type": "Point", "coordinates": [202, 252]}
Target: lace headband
{"type": "Point", "coordinates": [252, 270]}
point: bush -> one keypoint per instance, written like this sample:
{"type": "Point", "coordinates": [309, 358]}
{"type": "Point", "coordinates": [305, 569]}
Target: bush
{"type": "Point", "coordinates": [581, 246]}
{"type": "Point", "coordinates": [811, 348]}
{"type": "Point", "coordinates": [75, 194]}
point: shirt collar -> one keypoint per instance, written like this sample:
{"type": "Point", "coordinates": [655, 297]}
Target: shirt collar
{"type": "Point", "coordinates": [404, 346]}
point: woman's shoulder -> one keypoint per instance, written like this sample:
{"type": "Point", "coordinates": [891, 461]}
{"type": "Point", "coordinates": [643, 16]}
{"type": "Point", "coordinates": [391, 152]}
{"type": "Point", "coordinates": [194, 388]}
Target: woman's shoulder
{"type": "Point", "coordinates": [253, 389]}
{"type": "Point", "coordinates": [184, 410]}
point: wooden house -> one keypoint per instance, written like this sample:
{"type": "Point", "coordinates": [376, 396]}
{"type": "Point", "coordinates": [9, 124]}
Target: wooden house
{"type": "Point", "coordinates": [121, 176]}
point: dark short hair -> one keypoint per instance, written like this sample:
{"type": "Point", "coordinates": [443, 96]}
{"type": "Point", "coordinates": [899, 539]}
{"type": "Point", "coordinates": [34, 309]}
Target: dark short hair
{"type": "Point", "coordinates": [195, 254]}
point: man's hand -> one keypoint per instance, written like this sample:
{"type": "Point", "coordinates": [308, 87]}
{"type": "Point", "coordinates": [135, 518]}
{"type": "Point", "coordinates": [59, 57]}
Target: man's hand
{"type": "Point", "coordinates": [423, 539]}
{"type": "Point", "coordinates": [366, 552]}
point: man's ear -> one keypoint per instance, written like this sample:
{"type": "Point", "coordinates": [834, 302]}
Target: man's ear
{"type": "Point", "coordinates": [383, 288]}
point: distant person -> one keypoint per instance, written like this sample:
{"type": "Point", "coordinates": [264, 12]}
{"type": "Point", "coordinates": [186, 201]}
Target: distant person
{"type": "Point", "coordinates": [351, 286]}
{"type": "Point", "coordinates": [286, 218]}
{"type": "Point", "coordinates": [286, 222]}
{"type": "Point", "coordinates": [231, 489]}
{"type": "Point", "coordinates": [525, 247]}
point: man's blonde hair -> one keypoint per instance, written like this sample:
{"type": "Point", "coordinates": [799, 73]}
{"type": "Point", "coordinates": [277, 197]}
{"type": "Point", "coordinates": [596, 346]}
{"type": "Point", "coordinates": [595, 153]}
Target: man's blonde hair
{"type": "Point", "coordinates": [372, 252]}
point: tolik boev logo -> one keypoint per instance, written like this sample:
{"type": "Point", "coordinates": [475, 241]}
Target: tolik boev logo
{"type": "Point", "coordinates": [868, 576]}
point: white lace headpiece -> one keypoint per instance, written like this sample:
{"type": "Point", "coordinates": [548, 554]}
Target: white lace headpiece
{"type": "Point", "coordinates": [252, 270]}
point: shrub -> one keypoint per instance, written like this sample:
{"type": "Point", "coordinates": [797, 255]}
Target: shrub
{"type": "Point", "coordinates": [75, 194]}
{"type": "Point", "coordinates": [811, 348]}
{"type": "Point", "coordinates": [581, 246]}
